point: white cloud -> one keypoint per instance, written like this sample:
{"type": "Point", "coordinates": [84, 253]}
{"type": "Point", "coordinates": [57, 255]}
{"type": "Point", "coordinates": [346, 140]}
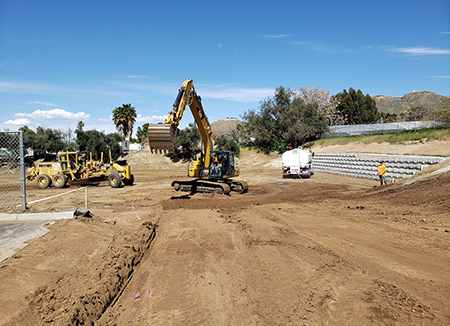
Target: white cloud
{"type": "Point", "coordinates": [26, 87]}
{"type": "Point", "coordinates": [438, 76]}
{"type": "Point", "coordinates": [109, 119]}
{"type": "Point", "coordinates": [421, 51]}
{"type": "Point", "coordinates": [43, 103]}
{"type": "Point", "coordinates": [139, 118]}
{"type": "Point", "coordinates": [277, 36]}
{"type": "Point", "coordinates": [299, 42]}
{"type": "Point", "coordinates": [137, 76]}
{"type": "Point", "coordinates": [151, 119]}
{"type": "Point", "coordinates": [18, 122]}
{"type": "Point", "coordinates": [41, 88]}
{"type": "Point", "coordinates": [243, 95]}
{"type": "Point", "coordinates": [445, 32]}
{"type": "Point", "coordinates": [54, 114]}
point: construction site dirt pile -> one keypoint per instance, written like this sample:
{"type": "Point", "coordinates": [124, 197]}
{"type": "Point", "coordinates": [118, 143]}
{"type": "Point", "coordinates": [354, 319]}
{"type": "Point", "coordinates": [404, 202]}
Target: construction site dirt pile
{"type": "Point", "coordinates": [330, 250]}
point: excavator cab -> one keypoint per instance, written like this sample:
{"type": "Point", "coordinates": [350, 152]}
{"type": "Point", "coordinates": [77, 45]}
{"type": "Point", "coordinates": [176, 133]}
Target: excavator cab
{"type": "Point", "coordinates": [222, 165]}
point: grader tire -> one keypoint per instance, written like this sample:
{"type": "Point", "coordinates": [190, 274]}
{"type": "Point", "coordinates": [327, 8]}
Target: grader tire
{"type": "Point", "coordinates": [43, 181]}
{"type": "Point", "coordinates": [115, 181]}
{"type": "Point", "coordinates": [128, 182]}
{"type": "Point", "coordinates": [59, 180]}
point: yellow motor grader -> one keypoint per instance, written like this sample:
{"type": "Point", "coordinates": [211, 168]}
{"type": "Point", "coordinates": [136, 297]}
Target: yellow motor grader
{"type": "Point", "coordinates": [77, 167]}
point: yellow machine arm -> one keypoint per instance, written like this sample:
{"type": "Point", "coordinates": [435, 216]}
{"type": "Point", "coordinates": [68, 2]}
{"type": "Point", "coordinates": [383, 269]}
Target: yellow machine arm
{"type": "Point", "coordinates": [163, 137]}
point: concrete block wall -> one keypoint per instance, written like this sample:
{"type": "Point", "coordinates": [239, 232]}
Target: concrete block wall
{"type": "Point", "coordinates": [365, 165]}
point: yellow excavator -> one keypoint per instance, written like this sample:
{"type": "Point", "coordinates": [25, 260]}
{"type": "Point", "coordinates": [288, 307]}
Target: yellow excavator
{"type": "Point", "coordinates": [214, 170]}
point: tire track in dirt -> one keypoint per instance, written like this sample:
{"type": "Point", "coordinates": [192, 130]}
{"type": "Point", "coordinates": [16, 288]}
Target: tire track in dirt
{"type": "Point", "coordinates": [370, 263]}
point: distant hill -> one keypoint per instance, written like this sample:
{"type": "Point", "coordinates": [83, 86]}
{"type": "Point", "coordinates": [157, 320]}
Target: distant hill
{"type": "Point", "coordinates": [429, 100]}
{"type": "Point", "coordinates": [224, 126]}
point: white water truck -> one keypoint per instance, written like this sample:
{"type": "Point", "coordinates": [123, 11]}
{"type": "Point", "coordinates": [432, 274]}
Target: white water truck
{"type": "Point", "coordinates": [297, 163]}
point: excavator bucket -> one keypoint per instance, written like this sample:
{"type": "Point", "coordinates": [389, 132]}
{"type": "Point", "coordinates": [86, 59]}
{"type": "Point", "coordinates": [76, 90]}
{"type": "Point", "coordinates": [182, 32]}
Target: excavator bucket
{"type": "Point", "coordinates": [162, 137]}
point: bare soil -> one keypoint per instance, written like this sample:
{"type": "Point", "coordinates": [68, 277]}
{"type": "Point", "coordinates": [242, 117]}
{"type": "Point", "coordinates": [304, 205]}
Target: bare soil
{"type": "Point", "coordinates": [330, 250]}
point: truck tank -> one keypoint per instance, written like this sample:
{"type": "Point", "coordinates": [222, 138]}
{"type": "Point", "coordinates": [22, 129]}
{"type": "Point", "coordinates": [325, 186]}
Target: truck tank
{"type": "Point", "coordinates": [297, 163]}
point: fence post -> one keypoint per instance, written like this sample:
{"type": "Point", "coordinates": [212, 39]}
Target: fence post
{"type": "Point", "coordinates": [85, 197]}
{"type": "Point", "coordinates": [22, 171]}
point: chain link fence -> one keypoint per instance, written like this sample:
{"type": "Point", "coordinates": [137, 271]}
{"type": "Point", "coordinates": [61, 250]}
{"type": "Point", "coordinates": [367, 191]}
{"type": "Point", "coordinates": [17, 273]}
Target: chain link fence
{"type": "Point", "coordinates": [434, 120]}
{"type": "Point", "coordinates": [12, 172]}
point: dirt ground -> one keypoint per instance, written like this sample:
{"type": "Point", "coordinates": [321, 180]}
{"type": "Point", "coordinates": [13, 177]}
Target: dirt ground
{"type": "Point", "coordinates": [331, 250]}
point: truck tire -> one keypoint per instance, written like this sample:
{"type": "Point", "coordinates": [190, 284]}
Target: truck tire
{"type": "Point", "coordinates": [43, 181]}
{"type": "Point", "coordinates": [115, 181]}
{"type": "Point", "coordinates": [128, 182]}
{"type": "Point", "coordinates": [59, 180]}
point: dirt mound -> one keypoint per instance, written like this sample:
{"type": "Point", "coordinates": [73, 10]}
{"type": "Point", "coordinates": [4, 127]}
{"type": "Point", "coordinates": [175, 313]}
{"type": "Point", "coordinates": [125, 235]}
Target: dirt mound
{"type": "Point", "coordinates": [422, 194]}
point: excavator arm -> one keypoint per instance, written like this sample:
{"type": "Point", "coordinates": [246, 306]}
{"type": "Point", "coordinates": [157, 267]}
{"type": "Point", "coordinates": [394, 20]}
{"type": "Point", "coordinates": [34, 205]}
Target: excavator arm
{"type": "Point", "coordinates": [163, 136]}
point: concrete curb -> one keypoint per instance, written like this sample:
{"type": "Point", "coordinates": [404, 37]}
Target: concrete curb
{"type": "Point", "coordinates": [440, 171]}
{"type": "Point", "coordinates": [37, 216]}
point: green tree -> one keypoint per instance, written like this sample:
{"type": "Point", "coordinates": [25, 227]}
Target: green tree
{"type": "Point", "coordinates": [441, 115]}
{"type": "Point", "coordinates": [142, 133]}
{"type": "Point", "coordinates": [228, 142]}
{"type": "Point", "coordinates": [325, 103]}
{"type": "Point", "coordinates": [124, 118]}
{"type": "Point", "coordinates": [188, 143]}
{"type": "Point", "coordinates": [282, 120]}
{"type": "Point", "coordinates": [355, 107]}
{"type": "Point", "coordinates": [304, 122]}
{"type": "Point", "coordinates": [47, 142]}
{"type": "Point", "coordinates": [416, 113]}
{"type": "Point", "coordinates": [387, 117]}
{"type": "Point", "coordinates": [97, 142]}
{"type": "Point", "coordinates": [80, 126]}
{"type": "Point", "coordinates": [29, 137]}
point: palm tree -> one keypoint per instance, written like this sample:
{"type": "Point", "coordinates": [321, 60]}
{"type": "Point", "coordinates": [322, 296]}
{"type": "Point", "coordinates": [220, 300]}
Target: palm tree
{"type": "Point", "coordinates": [124, 118]}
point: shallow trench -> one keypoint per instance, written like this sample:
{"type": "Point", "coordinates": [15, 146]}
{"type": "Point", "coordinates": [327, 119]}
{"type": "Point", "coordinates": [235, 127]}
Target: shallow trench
{"type": "Point", "coordinates": [87, 302]}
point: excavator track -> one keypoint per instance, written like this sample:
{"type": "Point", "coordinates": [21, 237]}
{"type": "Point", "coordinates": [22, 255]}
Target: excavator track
{"type": "Point", "coordinates": [208, 186]}
{"type": "Point", "coordinates": [239, 186]}
{"type": "Point", "coordinates": [203, 186]}
{"type": "Point", "coordinates": [162, 137]}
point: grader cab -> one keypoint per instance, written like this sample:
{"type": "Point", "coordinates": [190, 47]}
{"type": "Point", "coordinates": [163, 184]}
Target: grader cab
{"type": "Point", "coordinates": [72, 167]}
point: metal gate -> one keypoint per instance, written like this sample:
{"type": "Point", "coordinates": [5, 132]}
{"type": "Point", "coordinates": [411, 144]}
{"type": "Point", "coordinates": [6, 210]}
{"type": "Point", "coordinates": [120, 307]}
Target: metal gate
{"type": "Point", "coordinates": [12, 172]}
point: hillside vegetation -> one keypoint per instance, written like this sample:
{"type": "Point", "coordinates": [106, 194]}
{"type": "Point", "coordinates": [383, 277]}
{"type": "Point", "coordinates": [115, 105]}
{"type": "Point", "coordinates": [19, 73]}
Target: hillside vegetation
{"type": "Point", "coordinates": [428, 100]}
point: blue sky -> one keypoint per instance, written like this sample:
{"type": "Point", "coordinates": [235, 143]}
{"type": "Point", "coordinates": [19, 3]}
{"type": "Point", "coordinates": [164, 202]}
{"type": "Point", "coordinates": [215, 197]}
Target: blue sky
{"type": "Point", "coordinates": [66, 61]}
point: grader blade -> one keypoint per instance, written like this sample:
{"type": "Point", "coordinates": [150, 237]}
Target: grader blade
{"type": "Point", "coordinates": [162, 137]}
